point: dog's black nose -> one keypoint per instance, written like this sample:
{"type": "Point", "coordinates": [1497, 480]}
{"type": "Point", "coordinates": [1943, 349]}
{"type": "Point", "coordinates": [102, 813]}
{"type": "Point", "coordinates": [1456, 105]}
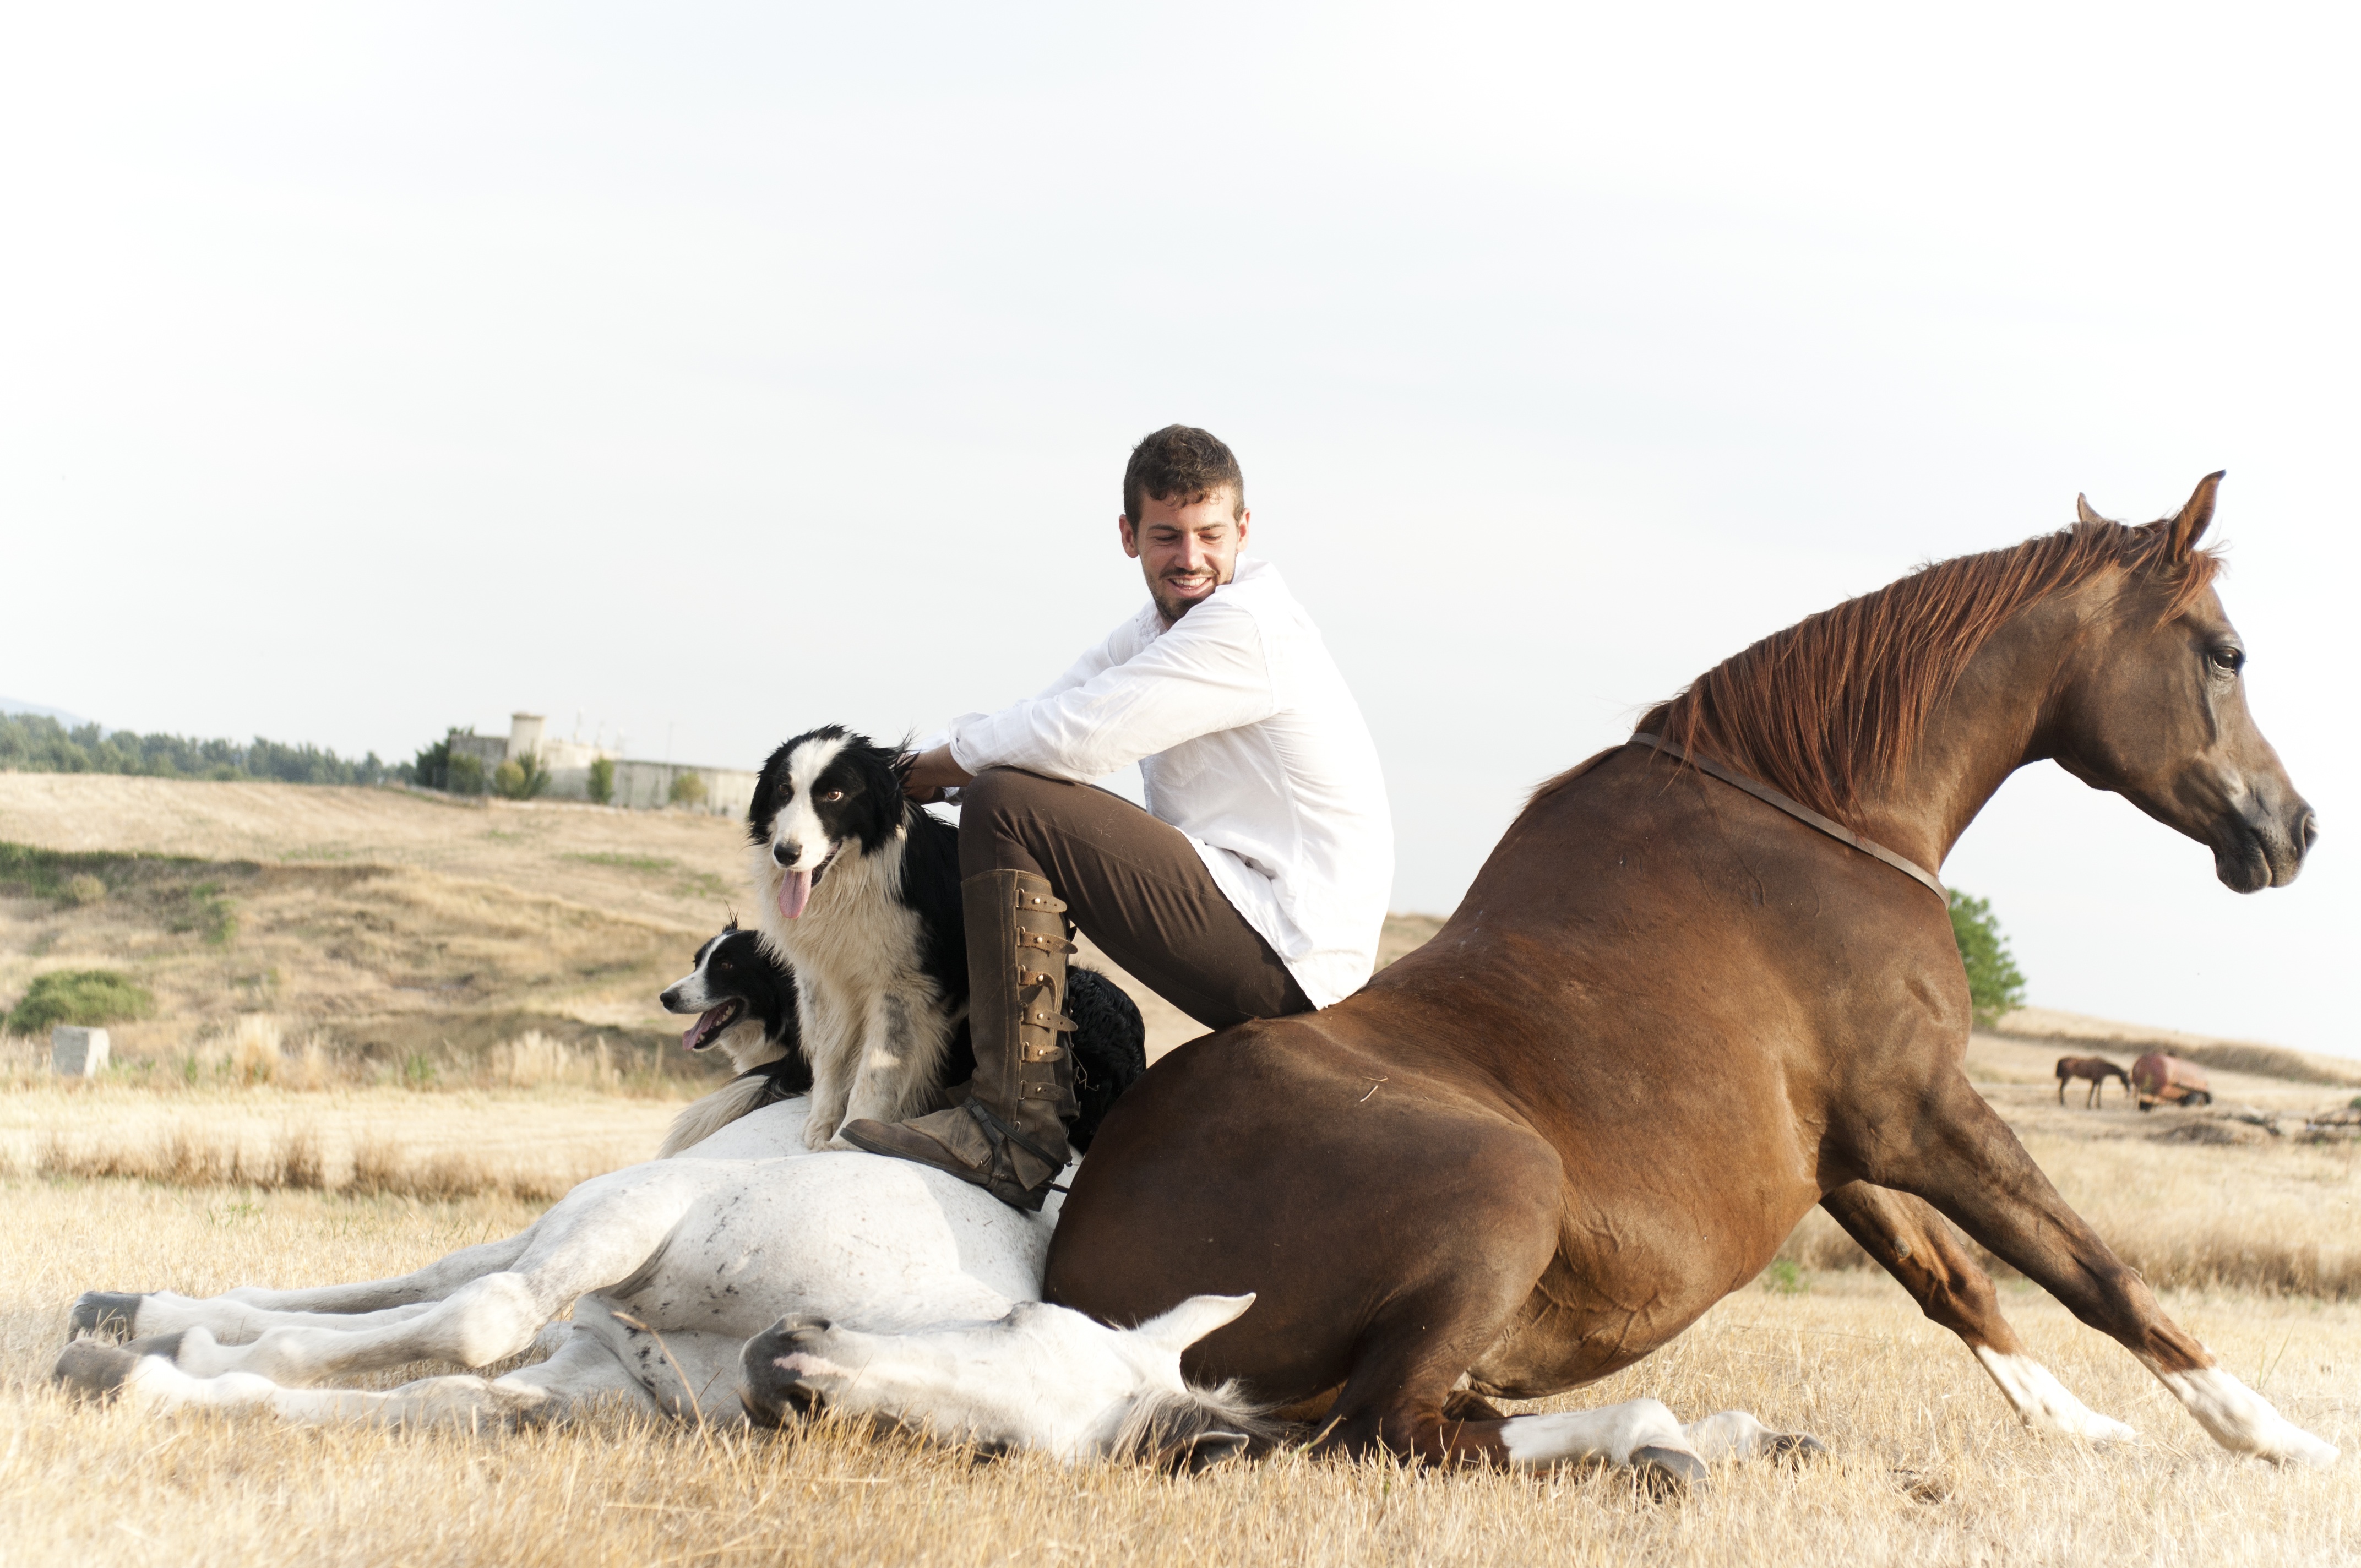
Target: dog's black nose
{"type": "Point", "coordinates": [671, 999]}
{"type": "Point", "coordinates": [786, 854]}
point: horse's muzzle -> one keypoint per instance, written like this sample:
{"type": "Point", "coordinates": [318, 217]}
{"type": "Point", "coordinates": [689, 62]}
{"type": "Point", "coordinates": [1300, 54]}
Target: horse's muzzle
{"type": "Point", "coordinates": [775, 1367]}
{"type": "Point", "coordinates": [2260, 849]}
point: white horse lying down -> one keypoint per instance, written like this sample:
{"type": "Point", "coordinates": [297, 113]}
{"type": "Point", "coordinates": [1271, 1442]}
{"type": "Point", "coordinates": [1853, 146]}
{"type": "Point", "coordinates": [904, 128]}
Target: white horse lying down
{"type": "Point", "coordinates": [715, 1282]}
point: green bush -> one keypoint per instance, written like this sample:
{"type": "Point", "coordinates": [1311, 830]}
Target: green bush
{"type": "Point", "coordinates": [1994, 985]}
{"type": "Point", "coordinates": [688, 789]}
{"type": "Point", "coordinates": [600, 786]}
{"type": "Point", "coordinates": [465, 775]}
{"type": "Point", "coordinates": [520, 778]}
{"type": "Point", "coordinates": [95, 997]}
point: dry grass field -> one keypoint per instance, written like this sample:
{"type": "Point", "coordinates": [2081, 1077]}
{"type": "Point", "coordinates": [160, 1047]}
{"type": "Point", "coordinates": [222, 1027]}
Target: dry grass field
{"type": "Point", "coordinates": [272, 1135]}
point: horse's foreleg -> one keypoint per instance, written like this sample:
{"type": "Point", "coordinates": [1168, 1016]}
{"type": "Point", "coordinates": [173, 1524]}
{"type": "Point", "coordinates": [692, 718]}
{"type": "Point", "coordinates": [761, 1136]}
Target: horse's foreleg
{"type": "Point", "coordinates": [1914, 1243]}
{"type": "Point", "coordinates": [1965, 1161]}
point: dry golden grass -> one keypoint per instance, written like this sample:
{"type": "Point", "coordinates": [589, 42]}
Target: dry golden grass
{"type": "Point", "coordinates": [1928, 1466]}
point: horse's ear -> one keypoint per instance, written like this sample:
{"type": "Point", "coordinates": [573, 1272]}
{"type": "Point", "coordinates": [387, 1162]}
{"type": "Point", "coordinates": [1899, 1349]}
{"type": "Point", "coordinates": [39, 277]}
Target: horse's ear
{"type": "Point", "coordinates": [1192, 1320]}
{"type": "Point", "coordinates": [2083, 512]}
{"type": "Point", "coordinates": [2189, 526]}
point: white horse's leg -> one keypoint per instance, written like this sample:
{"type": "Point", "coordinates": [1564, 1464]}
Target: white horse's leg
{"type": "Point", "coordinates": [163, 1313]}
{"type": "Point", "coordinates": [126, 1313]}
{"type": "Point", "coordinates": [1638, 1433]}
{"type": "Point", "coordinates": [582, 1372]}
{"type": "Point", "coordinates": [601, 1233]}
{"type": "Point", "coordinates": [1734, 1434]}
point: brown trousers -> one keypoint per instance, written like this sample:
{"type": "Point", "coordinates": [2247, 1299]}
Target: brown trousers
{"type": "Point", "coordinates": [1135, 886]}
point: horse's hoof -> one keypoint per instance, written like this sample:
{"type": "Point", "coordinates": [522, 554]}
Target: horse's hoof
{"type": "Point", "coordinates": [107, 1314]}
{"type": "Point", "coordinates": [1795, 1447]}
{"type": "Point", "coordinates": [1668, 1473]}
{"type": "Point", "coordinates": [166, 1345]}
{"type": "Point", "coordinates": [92, 1369]}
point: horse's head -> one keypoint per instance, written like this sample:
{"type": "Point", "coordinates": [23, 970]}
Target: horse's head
{"type": "Point", "coordinates": [2152, 704]}
{"type": "Point", "coordinates": [1043, 1377]}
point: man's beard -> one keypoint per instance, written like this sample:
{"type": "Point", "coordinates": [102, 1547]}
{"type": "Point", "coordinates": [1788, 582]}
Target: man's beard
{"type": "Point", "coordinates": [1173, 608]}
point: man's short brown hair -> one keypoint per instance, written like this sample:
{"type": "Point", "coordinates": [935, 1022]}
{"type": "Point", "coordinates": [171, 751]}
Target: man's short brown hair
{"type": "Point", "coordinates": [1182, 465]}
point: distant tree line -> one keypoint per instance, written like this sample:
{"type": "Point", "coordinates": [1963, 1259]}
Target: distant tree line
{"type": "Point", "coordinates": [34, 743]}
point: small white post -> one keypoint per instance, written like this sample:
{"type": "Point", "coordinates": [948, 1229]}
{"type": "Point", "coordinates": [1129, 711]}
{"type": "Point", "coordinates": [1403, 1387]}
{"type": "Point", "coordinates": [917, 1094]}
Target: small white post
{"type": "Point", "coordinates": [76, 1052]}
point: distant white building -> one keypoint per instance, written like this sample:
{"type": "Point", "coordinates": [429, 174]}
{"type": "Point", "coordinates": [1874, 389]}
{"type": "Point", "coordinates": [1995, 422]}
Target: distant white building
{"type": "Point", "coordinates": [640, 785]}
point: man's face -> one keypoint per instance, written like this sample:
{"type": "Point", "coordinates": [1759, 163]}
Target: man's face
{"type": "Point", "coordinates": [1185, 551]}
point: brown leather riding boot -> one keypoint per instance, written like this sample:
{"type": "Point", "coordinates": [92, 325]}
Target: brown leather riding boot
{"type": "Point", "coordinates": [1009, 1137]}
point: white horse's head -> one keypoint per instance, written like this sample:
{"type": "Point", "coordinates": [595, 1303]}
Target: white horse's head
{"type": "Point", "coordinates": [1043, 1377]}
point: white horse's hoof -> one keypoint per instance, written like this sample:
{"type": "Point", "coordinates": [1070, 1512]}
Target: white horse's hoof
{"type": "Point", "coordinates": [1668, 1473]}
{"type": "Point", "coordinates": [107, 1314]}
{"type": "Point", "coordinates": [93, 1370]}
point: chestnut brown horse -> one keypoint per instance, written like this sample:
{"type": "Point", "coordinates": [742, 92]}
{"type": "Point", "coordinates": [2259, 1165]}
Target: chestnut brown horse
{"type": "Point", "coordinates": [2097, 1070]}
{"type": "Point", "coordinates": [1670, 1018]}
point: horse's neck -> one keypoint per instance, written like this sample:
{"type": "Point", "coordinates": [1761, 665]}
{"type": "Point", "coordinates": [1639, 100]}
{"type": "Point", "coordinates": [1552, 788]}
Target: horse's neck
{"type": "Point", "coordinates": [1989, 726]}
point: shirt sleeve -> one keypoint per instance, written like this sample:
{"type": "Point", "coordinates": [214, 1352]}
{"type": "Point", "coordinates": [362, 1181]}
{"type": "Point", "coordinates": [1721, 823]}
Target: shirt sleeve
{"type": "Point", "coordinates": [1207, 673]}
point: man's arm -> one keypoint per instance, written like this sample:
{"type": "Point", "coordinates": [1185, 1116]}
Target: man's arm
{"type": "Point", "coordinates": [932, 772]}
{"type": "Point", "coordinates": [1207, 673]}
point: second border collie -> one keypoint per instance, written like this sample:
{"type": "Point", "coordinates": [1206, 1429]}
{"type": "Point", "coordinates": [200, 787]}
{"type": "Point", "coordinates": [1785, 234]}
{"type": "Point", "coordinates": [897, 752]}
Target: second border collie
{"type": "Point", "coordinates": [745, 1005]}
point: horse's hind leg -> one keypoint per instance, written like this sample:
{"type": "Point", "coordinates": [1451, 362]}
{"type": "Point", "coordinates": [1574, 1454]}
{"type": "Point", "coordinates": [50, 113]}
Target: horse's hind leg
{"type": "Point", "coordinates": [587, 1242]}
{"type": "Point", "coordinates": [1914, 1243]}
{"type": "Point", "coordinates": [238, 1315]}
{"type": "Point", "coordinates": [1961, 1157]}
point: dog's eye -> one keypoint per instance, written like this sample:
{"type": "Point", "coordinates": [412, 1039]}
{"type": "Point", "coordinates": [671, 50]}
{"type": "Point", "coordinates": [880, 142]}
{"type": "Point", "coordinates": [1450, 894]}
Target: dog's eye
{"type": "Point", "coordinates": [832, 795]}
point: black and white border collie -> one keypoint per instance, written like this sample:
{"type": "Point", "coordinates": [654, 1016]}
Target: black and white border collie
{"type": "Point", "coordinates": [858, 888]}
{"type": "Point", "coordinates": [745, 1005]}
{"type": "Point", "coordinates": [858, 891]}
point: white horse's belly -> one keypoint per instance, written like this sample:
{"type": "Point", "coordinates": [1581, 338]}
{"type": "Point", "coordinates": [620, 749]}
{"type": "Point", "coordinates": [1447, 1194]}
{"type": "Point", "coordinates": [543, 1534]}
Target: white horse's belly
{"type": "Point", "coordinates": [874, 1244]}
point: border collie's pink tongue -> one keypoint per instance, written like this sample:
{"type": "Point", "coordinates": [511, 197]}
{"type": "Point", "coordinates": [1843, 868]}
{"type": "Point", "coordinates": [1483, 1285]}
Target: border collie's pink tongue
{"type": "Point", "coordinates": [794, 893]}
{"type": "Point", "coordinates": [707, 1022]}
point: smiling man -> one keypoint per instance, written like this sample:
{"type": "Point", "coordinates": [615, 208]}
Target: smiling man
{"type": "Point", "coordinates": [1253, 886]}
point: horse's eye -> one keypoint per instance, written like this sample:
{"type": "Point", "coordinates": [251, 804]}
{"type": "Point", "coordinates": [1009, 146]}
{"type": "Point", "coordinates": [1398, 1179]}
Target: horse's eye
{"type": "Point", "coordinates": [2229, 660]}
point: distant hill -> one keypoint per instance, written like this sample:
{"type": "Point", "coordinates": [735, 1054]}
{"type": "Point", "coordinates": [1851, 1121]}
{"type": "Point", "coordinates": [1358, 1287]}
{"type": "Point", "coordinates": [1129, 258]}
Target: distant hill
{"type": "Point", "coordinates": [2073, 1031]}
{"type": "Point", "coordinates": [10, 704]}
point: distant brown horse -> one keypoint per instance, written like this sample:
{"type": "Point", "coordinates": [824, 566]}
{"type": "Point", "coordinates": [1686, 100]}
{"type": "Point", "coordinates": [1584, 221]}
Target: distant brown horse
{"type": "Point", "coordinates": [1670, 1018]}
{"type": "Point", "coordinates": [2098, 1069]}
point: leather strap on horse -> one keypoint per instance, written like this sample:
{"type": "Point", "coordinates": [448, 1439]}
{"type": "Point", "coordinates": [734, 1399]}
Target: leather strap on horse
{"type": "Point", "coordinates": [1799, 810]}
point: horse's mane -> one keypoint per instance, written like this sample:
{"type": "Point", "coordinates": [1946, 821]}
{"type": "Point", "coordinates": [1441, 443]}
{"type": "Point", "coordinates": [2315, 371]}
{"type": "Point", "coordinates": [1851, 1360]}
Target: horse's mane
{"type": "Point", "coordinates": [1834, 704]}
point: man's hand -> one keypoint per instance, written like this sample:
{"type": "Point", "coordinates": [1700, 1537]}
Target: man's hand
{"type": "Point", "coordinates": [932, 772]}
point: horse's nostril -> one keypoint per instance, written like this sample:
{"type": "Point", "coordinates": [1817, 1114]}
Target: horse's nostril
{"type": "Point", "coordinates": [786, 854]}
{"type": "Point", "coordinates": [2307, 830]}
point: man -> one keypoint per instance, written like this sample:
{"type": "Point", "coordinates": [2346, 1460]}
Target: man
{"type": "Point", "coordinates": [1253, 886]}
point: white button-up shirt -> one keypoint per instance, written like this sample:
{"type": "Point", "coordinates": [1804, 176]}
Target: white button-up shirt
{"type": "Point", "coordinates": [1250, 744]}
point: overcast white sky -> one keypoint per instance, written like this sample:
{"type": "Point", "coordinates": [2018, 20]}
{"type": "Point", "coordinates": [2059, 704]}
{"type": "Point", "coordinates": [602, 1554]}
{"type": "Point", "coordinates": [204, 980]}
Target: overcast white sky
{"type": "Point", "coordinates": [714, 371]}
